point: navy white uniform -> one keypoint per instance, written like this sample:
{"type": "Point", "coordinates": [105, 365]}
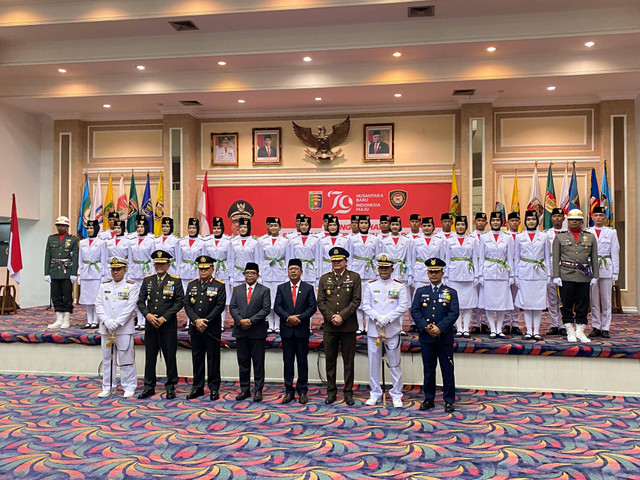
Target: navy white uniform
{"type": "Point", "coordinates": [273, 271]}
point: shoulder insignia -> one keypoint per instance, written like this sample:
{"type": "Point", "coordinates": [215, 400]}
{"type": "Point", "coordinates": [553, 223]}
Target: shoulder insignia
{"type": "Point", "coordinates": [131, 281]}
{"type": "Point", "coordinates": [149, 276]}
{"type": "Point", "coordinates": [221, 281]}
{"type": "Point", "coordinates": [397, 281]}
{"type": "Point", "coordinates": [107, 281]}
{"type": "Point", "coordinates": [374, 280]}
{"type": "Point", "coordinates": [174, 276]}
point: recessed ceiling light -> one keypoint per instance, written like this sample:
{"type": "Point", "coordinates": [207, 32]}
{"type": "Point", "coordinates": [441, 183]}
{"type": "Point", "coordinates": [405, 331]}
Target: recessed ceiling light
{"type": "Point", "coordinates": [106, 105]}
{"type": "Point", "coordinates": [140, 67]}
{"type": "Point", "coordinates": [551, 88]}
{"type": "Point", "coordinates": [589, 44]}
{"type": "Point", "coordinates": [397, 54]}
{"type": "Point", "coordinates": [222, 63]}
{"type": "Point", "coordinates": [397, 95]}
{"type": "Point", "coordinates": [241, 101]}
{"type": "Point", "coordinates": [307, 59]}
{"type": "Point", "coordinates": [62, 70]}
{"type": "Point", "coordinates": [491, 49]}
{"type": "Point", "coordinates": [318, 99]}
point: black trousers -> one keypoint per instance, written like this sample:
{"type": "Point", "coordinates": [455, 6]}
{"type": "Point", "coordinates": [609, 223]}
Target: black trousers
{"type": "Point", "coordinates": [62, 295]}
{"type": "Point", "coordinates": [206, 345]}
{"type": "Point", "coordinates": [156, 340]}
{"type": "Point", "coordinates": [251, 350]}
{"type": "Point", "coordinates": [432, 353]}
{"type": "Point", "coordinates": [295, 350]}
{"type": "Point", "coordinates": [574, 295]}
{"type": "Point", "coordinates": [332, 343]}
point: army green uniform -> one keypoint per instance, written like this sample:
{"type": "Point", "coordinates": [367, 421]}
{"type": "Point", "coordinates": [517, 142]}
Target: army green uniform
{"type": "Point", "coordinates": [576, 263]}
{"type": "Point", "coordinates": [61, 263]}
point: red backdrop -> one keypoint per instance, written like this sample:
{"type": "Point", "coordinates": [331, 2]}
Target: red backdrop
{"type": "Point", "coordinates": [431, 199]}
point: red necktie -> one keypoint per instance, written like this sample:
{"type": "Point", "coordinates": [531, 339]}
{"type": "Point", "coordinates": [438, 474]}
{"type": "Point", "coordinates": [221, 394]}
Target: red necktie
{"type": "Point", "coordinates": [333, 241]}
{"type": "Point", "coordinates": [428, 241]}
{"type": "Point", "coordinates": [273, 241]}
{"type": "Point", "coordinates": [117, 241]}
{"type": "Point", "coordinates": [140, 240]}
{"type": "Point", "coordinates": [395, 240]}
{"type": "Point", "coordinates": [191, 242]}
{"type": "Point", "coordinates": [293, 294]}
{"type": "Point", "coordinates": [249, 294]}
{"type": "Point", "coordinates": [304, 240]}
{"type": "Point", "coordinates": [375, 148]}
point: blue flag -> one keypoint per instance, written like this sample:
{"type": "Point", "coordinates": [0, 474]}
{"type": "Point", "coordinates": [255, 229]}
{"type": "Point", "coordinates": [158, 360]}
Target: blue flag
{"type": "Point", "coordinates": [574, 197]}
{"type": "Point", "coordinates": [594, 197]}
{"type": "Point", "coordinates": [85, 209]}
{"type": "Point", "coordinates": [147, 206]}
{"type": "Point", "coordinates": [606, 201]}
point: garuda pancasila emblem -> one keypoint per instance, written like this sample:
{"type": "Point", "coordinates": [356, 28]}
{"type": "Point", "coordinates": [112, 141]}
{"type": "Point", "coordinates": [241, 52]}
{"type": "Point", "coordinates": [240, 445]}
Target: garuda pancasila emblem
{"type": "Point", "coordinates": [322, 142]}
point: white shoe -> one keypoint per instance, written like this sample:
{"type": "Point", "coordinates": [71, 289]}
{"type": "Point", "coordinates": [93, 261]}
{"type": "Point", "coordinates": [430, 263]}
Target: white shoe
{"type": "Point", "coordinates": [571, 334]}
{"type": "Point", "coordinates": [580, 334]}
{"type": "Point", "coordinates": [65, 320]}
{"type": "Point", "coordinates": [397, 403]}
{"type": "Point", "coordinates": [104, 393]}
{"type": "Point", "coordinates": [129, 394]}
{"type": "Point", "coordinates": [372, 401]}
{"type": "Point", "coordinates": [58, 321]}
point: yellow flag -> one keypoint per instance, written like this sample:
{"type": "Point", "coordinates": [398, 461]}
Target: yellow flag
{"type": "Point", "coordinates": [515, 203]}
{"type": "Point", "coordinates": [159, 212]}
{"type": "Point", "coordinates": [454, 203]}
{"type": "Point", "coordinates": [108, 205]}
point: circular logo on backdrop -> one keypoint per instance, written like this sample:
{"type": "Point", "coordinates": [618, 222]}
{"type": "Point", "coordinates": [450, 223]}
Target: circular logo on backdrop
{"type": "Point", "coordinates": [397, 198]}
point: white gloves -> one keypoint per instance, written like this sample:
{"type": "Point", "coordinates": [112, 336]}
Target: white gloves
{"type": "Point", "coordinates": [382, 320]}
{"type": "Point", "coordinates": [73, 278]}
{"type": "Point", "coordinates": [110, 324]}
{"type": "Point", "coordinates": [615, 278]}
{"type": "Point", "coordinates": [516, 282]}
{"type": "Point", "coordinates": [593, 281]}
{"type": "Point", "coordinates": [557, 281]}
{"type": "Point", "coordinates": [512, 280]}
{"type": "Point", "coordinates": [47, 278]}
{"type": "Point", "coordinates": [481, 280]}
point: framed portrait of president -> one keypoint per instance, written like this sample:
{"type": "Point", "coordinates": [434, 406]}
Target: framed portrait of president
{"type": "Point", "coordinates": [378, 142]}
{"type": "Point", "coordinates": [267, 146]}
{"type": "Point", "coordinates": [224, 149]}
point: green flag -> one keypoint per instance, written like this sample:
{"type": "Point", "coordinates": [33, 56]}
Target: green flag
{"type": "Point", "coordinates": [133, 209]}
{"type": "Point", "coordinates": [549, 200]}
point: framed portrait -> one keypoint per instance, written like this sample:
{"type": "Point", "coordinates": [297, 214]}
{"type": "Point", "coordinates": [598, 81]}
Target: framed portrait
{"type": "Point", "coordinates": [378, 142]}
{"type": "Point", "coordinates": [224, 149]}
{"type": "Point", "coordinates": [267, 146]}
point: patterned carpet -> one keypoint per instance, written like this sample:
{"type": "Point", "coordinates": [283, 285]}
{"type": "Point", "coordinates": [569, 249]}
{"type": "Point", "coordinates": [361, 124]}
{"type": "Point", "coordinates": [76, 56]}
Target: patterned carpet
{"type": "Point", "coordinates": [29, 326]}
{"type": "Point", "coordinates": [56, 428]}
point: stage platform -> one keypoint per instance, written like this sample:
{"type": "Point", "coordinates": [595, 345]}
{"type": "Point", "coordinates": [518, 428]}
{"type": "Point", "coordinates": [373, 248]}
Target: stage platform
{"type": "Point", "coordinates": [608, 366]}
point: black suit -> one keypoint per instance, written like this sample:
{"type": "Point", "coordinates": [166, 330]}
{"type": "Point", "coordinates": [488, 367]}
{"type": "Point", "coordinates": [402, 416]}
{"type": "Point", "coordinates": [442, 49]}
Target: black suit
{"type": "Point", "coordinates": [164, 299]}
{"type": "Point", "coordinates": [267, 152]}
{"type": "Point", "coordinates": [205, 300]}
{"type": "Point", "coordinates": [383, 147]}
{"type": "Point", "coordinates": [295, 339]}
{"type": "Point", "coordinates": [250, 343]}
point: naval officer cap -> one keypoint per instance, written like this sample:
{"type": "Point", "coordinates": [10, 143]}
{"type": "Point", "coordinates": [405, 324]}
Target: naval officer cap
{"type": "Point", "coordinates": [384, 260]}
{"type": "Point", "coordinates": [205, 261]}
{"type": "Point", "coordinates": [338, 253]}
{"type": "Point", "coordinates": [435, 264]}
{"type": "Point", "coordinates": [117, 262]}
{"type": "Point", "coordinates": [575, 214]}
{"type": "Point", "coordinates": [160, 256]}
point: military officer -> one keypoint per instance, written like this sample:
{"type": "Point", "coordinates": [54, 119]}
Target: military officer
{"type": "Point", "coordinates": [435, 310]}
{"type": "Point", "coordinates": [161, 298]}
{"type": "Point", "coordinates": [204, 302]}
{"type": "Point", "coordinates": [61, 270]}
{"type": "Point", "coordinates": [115, 308]}
{"type": "Point", "coordinates": [339, 295]}
{"type": "Point", "coordinates": [385, 301]}
{"type": "Point", "coordinates": [553, 301]}
{"type": "Point", "coordinates": [575, 269]}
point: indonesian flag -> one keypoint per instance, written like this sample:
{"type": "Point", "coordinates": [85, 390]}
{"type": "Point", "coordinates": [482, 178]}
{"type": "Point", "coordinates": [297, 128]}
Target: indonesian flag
{"type": "Point", "coordinates": [15, 254]}
{"type": "Point", "coordinates": [122, 207]}
{"type": "Point", "coordinates": [202, 209]}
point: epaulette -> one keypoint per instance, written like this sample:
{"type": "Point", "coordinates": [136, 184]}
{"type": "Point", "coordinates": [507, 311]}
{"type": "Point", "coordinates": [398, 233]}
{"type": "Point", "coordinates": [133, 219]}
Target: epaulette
{"type": "Point", "coordinates": [148, 276]}
{"type": "Point", "coordinates": [131, 281]}
{"type": "Point", "coordinates": [107, 281]}
{"type": "Point", "coordinates": [174, 276]}
{"type": "Point", "coordinates": [221, 281]}
{"type": "Point", "coordinates": [397, 281]}
{"type": "Point", "coordinates": [374, 280]}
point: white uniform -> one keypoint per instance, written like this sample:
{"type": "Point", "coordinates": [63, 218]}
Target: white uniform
{"type": "Point", "coordinates": [553, 301]}
{"type": "Point", "coordinates": [389, 299]}
{"type": "Point", "coordinates": [609, 269]}
{"type": "Point", "coordinates": [140, 263]}
{"type": "Point", "coordinates": [273, 270]}
{"type": "Point", "coordinates": [221, 250]}
{"type": "Point", "coordinates": [306, 248]}
{"type": "Point", "coordinates": [245, 249]}
{"type": "Point", "coordinates": [398, 249]}
{"type": "Point", "coordinates": [117, 247]}
{"type": "Point", "coordinates": [171, 245]}
{"type": "Point", "coordinates": [479, 315]}
{"type": "Point", "coordinates": [92, 266]}
{"type": "Point", "coordinates": [106, 234]}
{"type": "Point", "coordinates": [190, 249]}
{"type": "Point", "coordinates": [326, 244]}
{"type": "Point", "coordinates": [117, 301]}
{"type": "Point", "coordinates": [422, 249]}
{"type": "Point", "coordinates": [462, 275]}
{"type": "Point", "coordinates": [362, 250]}
{"type": "Point", "coordinates": [512, 318]}
{"type": "Point", "coordinates": [496, 270]}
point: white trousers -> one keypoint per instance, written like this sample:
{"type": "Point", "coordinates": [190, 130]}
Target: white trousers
{"type": "Point", "coordinates": [512, 318]}
{"type": "Point", "coordinates": [601, 299]}
{"type": "Point", "coordinates": [464, 320]}
{"type": "Point", "coordinates": [124, 356]}
{"type": "Point", "coordinates": [392, 350]}
{"type": "Point", "coordinates": [553, 302]}
{"type": "Point", "coordinates": [272, 318]}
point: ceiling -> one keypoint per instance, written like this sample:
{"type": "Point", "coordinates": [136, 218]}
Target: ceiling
{"type": "Point", "coordinates": [100, 43]}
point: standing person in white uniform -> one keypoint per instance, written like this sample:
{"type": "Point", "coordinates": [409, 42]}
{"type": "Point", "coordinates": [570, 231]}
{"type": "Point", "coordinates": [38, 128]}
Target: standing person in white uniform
{"type": "Point", "coordinates": [219, 247]}
{"type": "Point", "coordinates": [446, 221]}
{"type": "Point", "coordinates": [362, 249]}
{"type": "Point", "coordinates": [334, 239]}
{"type": "Point", "coordinates": [92, 262]}
{"type": "Point", "coordinates": [305, 247]}
{"type": "Point", "coordinates": [479, 321]}
{"type": "Point", "coordinates": [532, 268]}
{"type": "Point", "coordinates": [108, 233]}
{"type": "Point", "coordinates": [512, 319]}
{"type": "Point", "coordinates": [384, 227]}
{"type": "Point", "coordinates": [118, 246]}
{"type": "Point", "coordinates": [496, 275]}
{"type": "Point", "coordinates": [168, 242]}
{"type": "Point", "coordinates": [141, 246]}
{"type": "Point", "coordinates": [384, 301]}
{"type": "Point", "coordinates": [609, 263]}
{"type": "Point", "coordinates": [553, 300]}
{"type": "Point", "coordinates": [115, 307]}
{"type": "Point", "coordinates": [191, 247]}
{"type": "Point", "coordinates": [246, 249]}
{"type": "Point", "coordinates": [273, 271]}
{"type": "Point", "coordinates": [462, 273]}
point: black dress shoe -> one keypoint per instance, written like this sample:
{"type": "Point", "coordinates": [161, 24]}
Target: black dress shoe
{"type": "Point", "coordinates": [516, 331]}
{"type": "Point", "coordinates": [349, 401]}
{"type": "Point", "coordinates": [553, 331]}
{"type": "Point", "coordinates": [427, 405]}
{"type": "Point", "coordinates": [449, 408]}
{"type": "Point", "coordinates": [474, 330]}
{"type": "Point", "coordinates": [195, 394]}
{"type": "Point", "coordinates": [288, 398]}
{"type": "Point", "coordinates": [413, 329]}
{"type": "Point", "coordinates": [605, 334]}
{"type": "Point", "coordinates": [146, 394]}
{"type": "Point", "coordinates": [243, 395]}
{"type": "Point", "coordinates": [595, 333]}
{"type": "Point", "coordinates": [85, 326]}
{"type": "Point", "coordinates": [214, 395]}
{"type": "Point", "coordinates": [562, 332]}
{"type": "Point", "coordinates": [171, 394]}
{"type": "Point", "coordinates": [330, 399]}
{"type": "Point", "coordinates": [257, 397]}
{"type": "Point", "coordinates": [485, 329]}
{"type": "Point", "coordinates": [506, 329]}
{"type": "Point", "coordinates": [303, 398]}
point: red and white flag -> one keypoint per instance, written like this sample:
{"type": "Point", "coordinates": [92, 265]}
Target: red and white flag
{"type": "Point", "coordinates": [14, 263]}
{"type": "Point", "coordinates": [203, 213]}
{"type": "Point", "coordinates": [122, 206]}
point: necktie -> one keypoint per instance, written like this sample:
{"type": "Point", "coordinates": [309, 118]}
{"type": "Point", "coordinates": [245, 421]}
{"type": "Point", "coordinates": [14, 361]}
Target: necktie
{"type": "Point", "coordinates": [249, 294]}
{"type": "Point", "coordinates": [293, 294]}
{"type": "Point", "coordinates": [435, 290]}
